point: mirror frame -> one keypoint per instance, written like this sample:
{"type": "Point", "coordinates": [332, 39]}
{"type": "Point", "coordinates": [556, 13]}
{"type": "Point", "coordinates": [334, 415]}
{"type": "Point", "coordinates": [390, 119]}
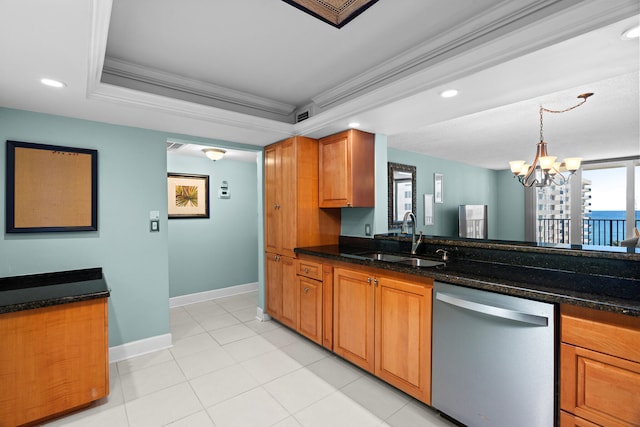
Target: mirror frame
{"type": "Point", "coordinates": [391, 168]}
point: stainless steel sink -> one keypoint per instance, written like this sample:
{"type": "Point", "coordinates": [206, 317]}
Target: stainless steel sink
{"type": "Point", "coordinates": [381, 256]}
{"type": "Point", "coordinates": [412, 261]}
{"type": "Point", "coordinates": [420, 262]}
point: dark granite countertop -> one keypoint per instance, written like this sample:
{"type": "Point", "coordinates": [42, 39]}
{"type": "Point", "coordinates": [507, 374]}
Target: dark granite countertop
{"type": "Point", "coordinates": [609, 283]}
{"type": "Point", "coordinates": [27, 292]}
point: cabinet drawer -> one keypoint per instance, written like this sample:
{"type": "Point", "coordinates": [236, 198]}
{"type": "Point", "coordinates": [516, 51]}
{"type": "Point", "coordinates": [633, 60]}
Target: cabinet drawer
{"type": "Point", "coordinates": [604, 332]}
{"type": "Point", "coordinates": [312, 270]}
{"type": "Point", "coordinates": [600, 388]}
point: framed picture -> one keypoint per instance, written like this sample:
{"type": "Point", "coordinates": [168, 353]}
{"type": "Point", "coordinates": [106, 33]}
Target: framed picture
{"type": "Point", "coordinates": [51, 188]}
{"type": "Point", "coordinates": [437, 188]}
{"type": "Point", "coordinates": [188, 195]}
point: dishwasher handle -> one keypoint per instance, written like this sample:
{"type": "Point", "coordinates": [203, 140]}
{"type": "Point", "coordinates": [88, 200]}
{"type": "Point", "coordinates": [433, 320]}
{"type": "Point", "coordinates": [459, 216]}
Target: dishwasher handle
{"type": "Point", "coordinates": [490, 310]}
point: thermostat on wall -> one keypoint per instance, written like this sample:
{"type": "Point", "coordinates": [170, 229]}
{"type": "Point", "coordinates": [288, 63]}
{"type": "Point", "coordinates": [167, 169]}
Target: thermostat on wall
{"type": "Point", "coordinates": [223, 191]}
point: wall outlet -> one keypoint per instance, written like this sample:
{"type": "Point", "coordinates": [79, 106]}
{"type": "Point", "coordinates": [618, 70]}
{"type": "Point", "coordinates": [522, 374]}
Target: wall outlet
{"type": "Point", "coordinates": [367, 229]}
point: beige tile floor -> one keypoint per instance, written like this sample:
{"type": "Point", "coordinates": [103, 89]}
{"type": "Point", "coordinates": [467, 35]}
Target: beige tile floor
{"type": "Point", "coordinates": [228, 369]}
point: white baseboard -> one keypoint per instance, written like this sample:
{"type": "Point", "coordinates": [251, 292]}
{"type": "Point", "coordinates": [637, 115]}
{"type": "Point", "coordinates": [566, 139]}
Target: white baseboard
{"type": "Point", "coordinates": [140, 347]}
{"type": "Point", "coordinates": [161, 342]}
{"type": "Point", "coordinates": [261, 315]}
{"type": "Point", "coordinates": [213, 294]}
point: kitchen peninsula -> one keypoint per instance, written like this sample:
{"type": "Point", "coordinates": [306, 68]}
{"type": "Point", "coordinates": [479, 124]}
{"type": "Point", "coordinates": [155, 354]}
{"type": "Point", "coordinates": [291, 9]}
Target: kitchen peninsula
{"type": "Point", "coordinates": [54, 353]}
{"type": "Point", "coordinates": [596, 293]}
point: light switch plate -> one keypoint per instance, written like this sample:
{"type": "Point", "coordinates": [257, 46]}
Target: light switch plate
{"type": "Point", "coordinates": [155, 225]}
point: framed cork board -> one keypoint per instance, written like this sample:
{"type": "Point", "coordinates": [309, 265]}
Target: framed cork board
{"type": "Point", "coordinates": [51, 188]}
{"type": "Point", "coordinates": [187, 195]}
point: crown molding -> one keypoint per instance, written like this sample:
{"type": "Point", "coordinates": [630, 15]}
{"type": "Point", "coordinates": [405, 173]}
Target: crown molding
{"type": "Point", "coordinates": [498, 37]}
{"type": "Point", "coordinates": [488, 28]}
{"type": "Point", "coordinates": [146, 75]}
{"type": "Point", "coordinates": [150, 101]}
{"type": "Point", "coordinates": [570, 22]}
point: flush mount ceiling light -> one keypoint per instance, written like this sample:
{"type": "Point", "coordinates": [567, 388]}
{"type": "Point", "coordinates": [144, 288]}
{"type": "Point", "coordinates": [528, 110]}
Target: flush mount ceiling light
{"type": "Point", "coordinates": [214, 153]}
{"type": "Point", "coordinates": [52, 83]}
{"type": "Point", "coordinates": [631, 33]}
{"type": "Point", "coordinates": [334, 12]}
{"type": "Point", "coordinates": [544, 170]}
{"type": "Point", "coordinates": [353, 125]}
{"type": "Point", "coordinates": [450, 93]}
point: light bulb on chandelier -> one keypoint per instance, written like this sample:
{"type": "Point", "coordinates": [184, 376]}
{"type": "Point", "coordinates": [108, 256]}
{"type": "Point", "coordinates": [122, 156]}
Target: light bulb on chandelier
{"type": "Point", "coordinates": [544, 170]}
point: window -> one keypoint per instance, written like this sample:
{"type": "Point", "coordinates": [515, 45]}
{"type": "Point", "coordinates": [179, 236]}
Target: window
{"type": "Point", "coordinates": [605, 224]}
{"type": "Point", "coordinates": [594, 208]}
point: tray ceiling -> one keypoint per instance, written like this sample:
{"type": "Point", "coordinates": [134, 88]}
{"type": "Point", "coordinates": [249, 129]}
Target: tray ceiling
{"type": "Point", "coordinates": [336, 13]}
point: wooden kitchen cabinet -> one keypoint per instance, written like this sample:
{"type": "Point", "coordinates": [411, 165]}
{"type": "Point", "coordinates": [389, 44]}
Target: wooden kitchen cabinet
{"type": "Point", "coordinates": [327, 306]}
{"type": "Point", "coordinates": [292, 219]}
{"type": "Point", "coordinates": [281, 288]}
{"type": "Point", "coordinates": [310, 308]}
{"type": "Point", "coordinates": [310, 300]}
{"type": "Point", "coordinates": [599, 368]}
{"type": "Point", "coordinates": [347, 168]}
{"type": "Point", "coordinates": [52, 360]}
{"type": "Point", "coordinates": [383, 324]}
{"type": "Point", "coordinates": [403, 336]}
{"type": "Point", "coordinates": [354, 317]}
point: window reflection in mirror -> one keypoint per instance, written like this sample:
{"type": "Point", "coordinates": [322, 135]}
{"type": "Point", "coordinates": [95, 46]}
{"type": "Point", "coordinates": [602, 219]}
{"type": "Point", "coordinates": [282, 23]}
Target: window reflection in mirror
{"type": "Point", "coordinates": [402, 192]}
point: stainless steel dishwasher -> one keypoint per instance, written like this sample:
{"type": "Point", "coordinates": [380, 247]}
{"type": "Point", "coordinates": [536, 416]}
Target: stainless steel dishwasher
{"type": "Point", "coordinates": [493, 358]}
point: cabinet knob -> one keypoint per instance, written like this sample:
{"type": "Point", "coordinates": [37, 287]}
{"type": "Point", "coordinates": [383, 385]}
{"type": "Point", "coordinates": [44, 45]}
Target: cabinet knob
{"type": "Point", "coordinates": [276, 206]}
{"type": "Point", "coordinates": [375, 282]}
{"type": "Point", "coordinates": [306, 290]}
{"type": "Point", "coordinates": [306, 270]}
{"type": "Point", "coordinates": [369, 280]}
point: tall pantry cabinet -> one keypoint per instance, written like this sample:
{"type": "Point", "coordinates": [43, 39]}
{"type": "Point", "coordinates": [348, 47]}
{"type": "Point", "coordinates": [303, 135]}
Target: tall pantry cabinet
{"type": "Point", "coordinates": [292, 219]}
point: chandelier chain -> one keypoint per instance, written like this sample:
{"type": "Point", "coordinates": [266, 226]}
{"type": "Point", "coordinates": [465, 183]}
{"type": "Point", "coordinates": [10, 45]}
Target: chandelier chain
{"type": "Point", "coordinates": [584, 97]}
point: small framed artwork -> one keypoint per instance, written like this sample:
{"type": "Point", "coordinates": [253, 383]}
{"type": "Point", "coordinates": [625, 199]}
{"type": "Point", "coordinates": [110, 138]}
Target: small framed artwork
{"type": "Point", "coordinates": [188, 196]}
{"type": "Point", "coordinates": [51, 188]}
{"type": "Point", "coordinates": [437, 188]}
{"type": "Point", "coordinates": [428, 209]}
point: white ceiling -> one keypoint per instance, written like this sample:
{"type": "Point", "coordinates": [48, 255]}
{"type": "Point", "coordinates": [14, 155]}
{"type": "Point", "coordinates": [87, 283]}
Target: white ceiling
{"type": "Point", "coordinates": [237, 71]}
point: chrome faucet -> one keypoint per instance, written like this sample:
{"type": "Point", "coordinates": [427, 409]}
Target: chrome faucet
{"type": "Point", "coordinates": [404, 230]}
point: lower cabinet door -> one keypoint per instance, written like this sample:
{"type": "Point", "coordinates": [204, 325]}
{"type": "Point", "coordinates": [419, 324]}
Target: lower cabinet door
{"type": "Point", "coordinates": [353, 317]}
{"type": "Point", "coordinates": [403, 336]}
{"type": "Point", "coordinates": [273, 280]}
{"type": "Point", "coordinates": [289, 315]}
{"type": "Point", "coordinates": [599, 388]}
{"type": "Point", "coordinates": [310, 308]}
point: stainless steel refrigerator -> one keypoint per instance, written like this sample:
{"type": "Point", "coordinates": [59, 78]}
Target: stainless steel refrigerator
{"type": "Point", "coordinates": [472, 221]}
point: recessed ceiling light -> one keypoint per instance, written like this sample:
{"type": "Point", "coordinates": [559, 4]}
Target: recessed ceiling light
{"type": "Point", "coordinates": [52, 83]}
{"type": "Point", "coordinates": [450, 93]}
{"type": "Point", "coordinates": [631, 33]}
{"type": "Point", "coordinates": [354, 124]}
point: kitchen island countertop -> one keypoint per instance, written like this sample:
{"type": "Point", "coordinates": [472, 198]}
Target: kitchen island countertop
{"type": "Point", "coordinates": [556, 285]}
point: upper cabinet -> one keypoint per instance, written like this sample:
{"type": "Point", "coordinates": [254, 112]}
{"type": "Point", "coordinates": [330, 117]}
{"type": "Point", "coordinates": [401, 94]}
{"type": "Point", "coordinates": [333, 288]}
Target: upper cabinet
{"type": "Point", "coordinates": [292, 216]}
{"type": "Point", "coordinates": [347, 167]}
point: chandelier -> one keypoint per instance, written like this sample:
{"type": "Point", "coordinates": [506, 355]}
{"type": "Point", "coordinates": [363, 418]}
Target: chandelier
{"type": "Point", "coordinates": [544, 170]}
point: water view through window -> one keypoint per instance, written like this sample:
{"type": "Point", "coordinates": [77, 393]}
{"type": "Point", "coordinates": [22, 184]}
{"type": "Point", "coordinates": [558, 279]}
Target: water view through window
{"type": "Point", "coordinates": [604, 199]}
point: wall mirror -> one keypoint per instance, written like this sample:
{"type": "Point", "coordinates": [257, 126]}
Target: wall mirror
{"type": "Point", "coordinates": [402, 192]}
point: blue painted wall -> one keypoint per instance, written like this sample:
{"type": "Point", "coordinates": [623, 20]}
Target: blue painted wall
{"type": "Point", "coordinates": [466, 184]}
{"type": "Point", "coordinates": [510, 209]}
{"type": "Point", "coordinates": [221, 251]}
{"type": "Point", "coordinates": [132, 171]}
{"type": "Point", "coordinates": [463, 184]}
